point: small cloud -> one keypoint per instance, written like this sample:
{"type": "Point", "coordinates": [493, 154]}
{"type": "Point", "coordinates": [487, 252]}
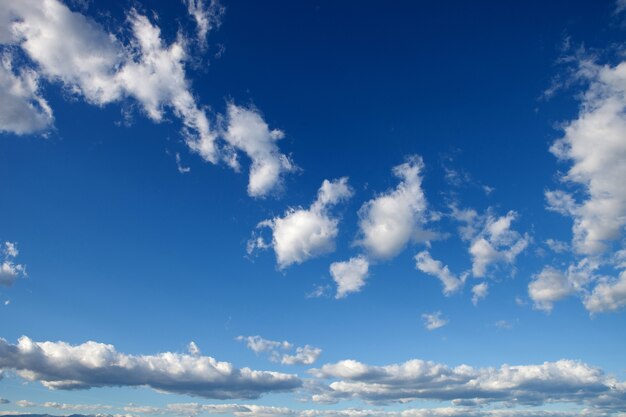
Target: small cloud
{"type": "Point", "coordinates": [503, 324]}
{"type": "Point", "coordinates": [434, 320]}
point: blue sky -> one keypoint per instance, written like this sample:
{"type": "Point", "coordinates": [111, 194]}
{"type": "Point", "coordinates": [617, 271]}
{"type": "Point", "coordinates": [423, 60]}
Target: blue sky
{"type": "Point", "coordinates": [312, 208]}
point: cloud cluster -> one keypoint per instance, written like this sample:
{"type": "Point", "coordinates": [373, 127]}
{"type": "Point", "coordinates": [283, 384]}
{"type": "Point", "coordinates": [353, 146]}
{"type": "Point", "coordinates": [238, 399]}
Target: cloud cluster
{"type": "Point", "coordinates": [9, 270]}
{"type": "Point", "coordinates": [560, 381]}
{"type": "Point", "coordinates": [207, 15]}
{"type": "Point", "coordinates": [389, 221]}
{"type": "Point", "coordinates": [73, 50]}
{"type": "Point", "coordinates": [282, 352]}
{"type": "Point", "coordinates": [59, 365]}
{"type": "Point", "coordinates": [302, 234]}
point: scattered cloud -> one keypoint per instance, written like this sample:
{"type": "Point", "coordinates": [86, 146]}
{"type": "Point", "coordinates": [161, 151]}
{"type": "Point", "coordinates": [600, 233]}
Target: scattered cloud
{"type": "Point", "coordinates": [281, 351]}
{"type": "Point", "coordinates": [302, 234]}
{"type": "Point", "coordinates": [9, 270]}
{"type": "Point", "coordinates": [207, 14]}
{"type": "Point", "coordinates": [349, 275]}
{"type": "Point", "coordinates": [557, 246]}
{"type": "Point", "coordinates": [59, 365]}
{"type": "Point", "coordinates": [479, 291]}
{"type": "Point", "coordinates": [434, 320]}
{"type": "Point", "coordinates": [389, 221]}
{"type": "Point", "coordinates": [451, 284]}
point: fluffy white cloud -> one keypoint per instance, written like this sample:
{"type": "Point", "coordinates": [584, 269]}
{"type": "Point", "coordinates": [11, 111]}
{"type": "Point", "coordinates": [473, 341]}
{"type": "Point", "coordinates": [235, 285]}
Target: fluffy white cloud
{"type": "Point", "coordinates": [349, 275]}
{"type": "Point", "coordinates": [389, 221]}
{"type": "Point", "coordinates": [492, 239]}
{"type": "Point", "coordinates": [22, 108]}
{"type": "Point", "coordinates": [247, 131]}
{"type": "Point", "coordinates": [59, 365]}
{"type": "Point", "coordinates": [425, 263]}
{"type": "Point", "coordinates": [434, 320]}
{"type": "Point", "coordinates": [594, 145]}
{"type": "Point", "coordinates": [548, 286]}
{"type": "Point", "coordinates": [279, 351]}
{"type": "Point", "coordinates": [71, 49]}
{"type": "Point", "coordinates": [302, 234]}
{"type": "Point", "coordinates": [560, 381]}
{"type": "Point", "coordinates": [9, 270]}
{"type": "Point", "coordinates": [607, 295]}
{"type": "Point", "coordinates": [479, 291]}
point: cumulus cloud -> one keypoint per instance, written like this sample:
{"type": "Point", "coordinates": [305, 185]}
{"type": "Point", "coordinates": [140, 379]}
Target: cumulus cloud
{"type": "Point", "coordinates": [607, 295]}
{"type": "Point", "coordinates": [479, 291]}
{"type": "Point", "coordinates": [73, 50]}
{"type": "Point", "coordinates": [451, 284]}
{"type": "Point", "coordinates": [59, 365]}
{"type": "Point", "coordinates": [349, 275]}
{"type": "Point", "coordinates": [434, 320]}
{"type": "Point", "coordinates": [22, 108]}
{"type": "Point", "coordinates": [560, 381]}
{"type": "Point", "coordinates": [492, 241]}
{"type": "Point", "coordinates": [302, 234]}
{"type": "Point", "coordinates": [594, 146]}
{"type": "Point", "coordinates": [9, 270]}
{"type": "Point", "coordinates": [594, 149]}
{"type": "Point", "coordinates": [392, 219]}
{"type": "Point", "coordinates": [283, 352]}
{"type": "Point", "coordinates": [247, 131]}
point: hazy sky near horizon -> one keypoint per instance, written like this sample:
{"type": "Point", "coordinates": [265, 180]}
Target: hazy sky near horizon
{"type": "Point", "coordinates": [305, 209]}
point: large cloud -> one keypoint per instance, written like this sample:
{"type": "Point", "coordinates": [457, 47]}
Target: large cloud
{"type": "Point", "coordinates": [59, 365]}
{"type": "Point", "coordinates": [594, 147]}
{"type": "Point", "coordinates": [560, 381]}
{"type": "Point", "coordinates": [302, 234]}
{"type": "Point", "coordinates": [389, 221]}
{"type": "Point", "coordinates": [71, 49]}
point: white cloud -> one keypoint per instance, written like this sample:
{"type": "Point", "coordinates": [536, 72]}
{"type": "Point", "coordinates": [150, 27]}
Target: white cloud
{"type": "Point", "coordinates": [280, 351]}
{"type": "Point", "coordinates": [550, 382]}
{"type": "Point", "coordinates": [75, 51]}
{"type": "Point", "coordinates": [594, 145]}
{"type": "Point", "coordinates": [496, 243]}
{"type": "Point", "coordinates": [9, 270]}
{"type": "Point", "coordinates": [349, 275]}
{"type": "Point", "coordinates": [607, 295]}
{"type": "Point", "coordinates": [59, 365]}
{"type": "Point", "coordinates": [207, 15]}
{"type": "Point", "coordinates": [22, 108]}
{"type": "Point", "coordinates": [247, 131]}
{"type": "Point", "coordinates": [389, 221]}
{"type": "Point", "coordinates": [302, 234]}
{"type": "Point", "coordinates": [305, 355]}
{"type": "Point", "coordinates": [434, 320]}
{"type": "Point", "coordinates": [557, 246]}
{"type": "Point", "coordinates": [425, 263]}
{"type": "Point", "coordinates": [479, 291]}
{"type": "Point", "coordinates": [548, 286]}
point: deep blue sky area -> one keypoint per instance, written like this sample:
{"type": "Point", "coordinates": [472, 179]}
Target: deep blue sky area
{"type": "Point", "coordinates": [120, 245]}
